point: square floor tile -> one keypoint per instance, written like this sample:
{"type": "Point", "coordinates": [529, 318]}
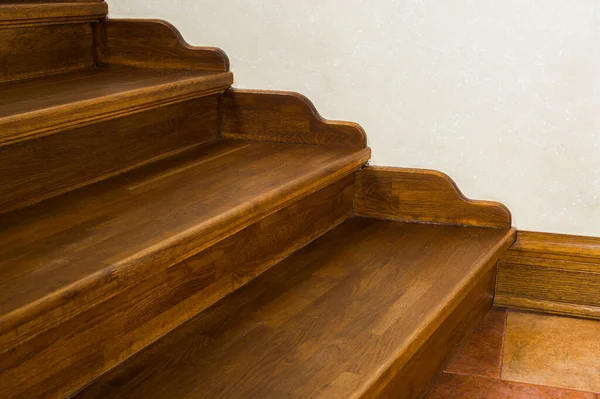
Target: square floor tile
{"type": "Point", "coordinates": [552, 351]}
{"type": "Point", "coordinates": [482, 354]}
{"type": "Point", "coordinates": [458, 386]}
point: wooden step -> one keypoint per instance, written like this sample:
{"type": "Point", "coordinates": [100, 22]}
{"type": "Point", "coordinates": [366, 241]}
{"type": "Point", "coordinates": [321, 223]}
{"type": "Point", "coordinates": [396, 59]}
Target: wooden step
{"type": "Point", "coordinates": [42, 106]}
{"type": "Point", "coordinates": [372, 309]}
{"type": "Point", "coordinates": [63, 259]}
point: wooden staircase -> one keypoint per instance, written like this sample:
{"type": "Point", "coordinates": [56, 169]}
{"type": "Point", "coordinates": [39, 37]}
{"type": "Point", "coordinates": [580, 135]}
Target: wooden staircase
{"type": "Point", "coordinates": [163, 235]}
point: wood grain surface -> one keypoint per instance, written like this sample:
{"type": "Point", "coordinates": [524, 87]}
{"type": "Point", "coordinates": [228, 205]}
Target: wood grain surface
{"type": "Point", "coordinates": [33, 51]}
{"type": "Point", "coordinates": [552, 273]}
{"type": "Point", "coordinates": [39, 107]}
{"type": "Point", "coordinates": [63, 358]}
{"type": "Point", "coordinates": [66, 254]}
{"type": "Point", "coordinates": [341, 318]}
{"type": "Point", "coordinates": [152, 44]}
{"type": "Point", "coordinates": [34, 170]}
{"type": "Point", "coordinates": [421, 195]}
{"type": "Point", "coordinates": [25, 13]}
{"type": "Point", "coordinates": [283, 117]}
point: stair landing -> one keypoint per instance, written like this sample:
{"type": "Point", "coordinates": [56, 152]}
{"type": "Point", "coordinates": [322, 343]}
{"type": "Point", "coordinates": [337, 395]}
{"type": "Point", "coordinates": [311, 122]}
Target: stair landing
{"type": "Point", "coordinates": [341, 318]}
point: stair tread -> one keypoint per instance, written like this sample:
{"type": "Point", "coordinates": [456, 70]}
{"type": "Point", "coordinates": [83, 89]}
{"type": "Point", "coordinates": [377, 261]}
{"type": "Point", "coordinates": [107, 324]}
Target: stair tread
{"type": "Point", "coordinates": [117, 230]}
{"type": "Point", "coordinates": [328, 321]}
{"type": "Point", "coordinates": [41, 106]}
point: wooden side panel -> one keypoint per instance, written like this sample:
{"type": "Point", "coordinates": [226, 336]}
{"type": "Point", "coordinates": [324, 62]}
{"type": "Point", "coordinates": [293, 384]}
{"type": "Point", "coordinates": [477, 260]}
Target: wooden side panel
{"type": "Point", "coordinates": [32, 51]}
{"type": "Point", "coordinates": [551, 273]}
{"type": "Point", "coordinates": [152, 44]}
{"type": "Point", "coordinates": [29, 13]}
{"type": "Point", "coordinates": [283, 117]}
{"type": "Point", "coordinates": [69, 355]}
{"type": "Point", "coordinates": [419, 195]}
{"type": "Point", "coordinates": [414, 379]}
{"type": "Point", "coordinates": [38, 169]}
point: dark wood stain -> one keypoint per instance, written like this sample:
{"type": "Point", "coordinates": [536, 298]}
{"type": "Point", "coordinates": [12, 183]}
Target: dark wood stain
{"type": "Point", "coordinates": [330, 315]}
{"type": "Point", "coordinates": [63, 255]}
{"type": "Point", "coordinates": [33, 51]}
{"type": "Point", "coordinates": [43, 106]}
{"type": "Point", "coordinates": [156, 229]}
{"type": "Point", "coordinates": [26, 13]}
{"type": "Point", "coordinates": [152, 44]}
{"type": "Point", "coordinates": [283, 117]}
{"type": "Point", "coordinates": [419, 195]}
{"type": "Point", "coordinates": [34, 170]}
{"type": "Point", "coordinates": [79, 349]}
{"type": "Point", "coordinates": [552, 273]}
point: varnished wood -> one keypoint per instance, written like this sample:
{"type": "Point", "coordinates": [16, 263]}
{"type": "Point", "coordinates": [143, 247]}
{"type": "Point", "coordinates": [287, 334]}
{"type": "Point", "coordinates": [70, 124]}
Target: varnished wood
{"type": "Point", "coordinates": [34, 170]}
{"type": "Point", "coordinates": [415, 377]}
{"type": "Point", "coordinates": [43, 106]}
{"type": "Point", "coordinates": [72, 353]}
{"type": "Point", "coordinates": [552, 273]}
{"type": "Point", "coordinates": [283, 117]}
{"type": "Point", "coordinates": [420, 195]}
{"type": "Point", "coordinates": [341, 318]}
{"type": "Point", "coordinates": [152, 44]}
{"type": "Point", "coordinates": [14, 14]}
{"type": "Point", "coordinates": [28, 52]}
{"type": "Point", "coordinates": [66, 254]}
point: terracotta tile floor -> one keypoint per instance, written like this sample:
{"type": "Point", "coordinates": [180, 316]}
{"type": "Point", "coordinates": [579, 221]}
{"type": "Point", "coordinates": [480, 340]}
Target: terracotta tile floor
{"type": "Point", "coordinates": [513, 355]}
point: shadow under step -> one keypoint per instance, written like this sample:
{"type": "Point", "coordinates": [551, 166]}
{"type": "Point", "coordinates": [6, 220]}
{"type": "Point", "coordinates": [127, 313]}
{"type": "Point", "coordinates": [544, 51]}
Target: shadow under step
{"type": "Point", "coordinates": [91, 276]}
{"type": "Point", "coordinates": [47, 105]}
{"type": "Point", "coordinates": [373, 308]}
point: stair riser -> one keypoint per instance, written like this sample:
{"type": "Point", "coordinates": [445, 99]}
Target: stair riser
{"type": "Point", "coordinates": [68, 355]}
{"type": "Point", "coordinates": [33, 170]}
{"type": "Point", "coordinates": [33, 51]}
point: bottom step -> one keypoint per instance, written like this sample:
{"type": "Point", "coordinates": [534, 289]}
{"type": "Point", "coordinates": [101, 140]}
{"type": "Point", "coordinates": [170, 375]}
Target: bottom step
{"type": "Point", "coordinates": [372, 309]}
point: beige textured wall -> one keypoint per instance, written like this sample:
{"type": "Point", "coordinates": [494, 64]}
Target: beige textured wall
{"type": "Point", "coordinates": [503, 95]}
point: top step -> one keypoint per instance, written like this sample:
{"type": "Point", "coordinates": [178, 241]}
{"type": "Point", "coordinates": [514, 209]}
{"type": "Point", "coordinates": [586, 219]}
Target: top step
{"type": "Point", "coordinates": [42, 106]}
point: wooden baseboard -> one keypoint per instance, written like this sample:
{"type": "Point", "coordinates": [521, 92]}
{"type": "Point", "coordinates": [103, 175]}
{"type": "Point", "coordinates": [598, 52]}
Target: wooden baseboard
{"type": "Point", "coordinates": [551, 273]}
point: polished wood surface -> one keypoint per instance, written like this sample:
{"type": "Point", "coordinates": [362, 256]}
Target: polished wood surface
{"type": "Point", "coordinates": [420, 195]}
{"type": "Point", "coordinates": [43, 106]}
{"type": "Point", "coordinates": [66, 254]}
{"type": "Point", "coordinates": [339, 319]}
{"type": "Point", "coordinates": [413, 380]}
{"type": "Point", "coordinates": [552, 273]}
{"type": "Point", "coordinates": [17, 13]}
{"type": "Point", "coordinates": [55, 362]}
{"type": "Point", "coordinates": [34, 170]}
{"type": "Point", "coordinates": [28, 52]}
{"type": "Point", "coordinates": [283, 117]}
{"type": "Point", "coordinates": [152, 44]}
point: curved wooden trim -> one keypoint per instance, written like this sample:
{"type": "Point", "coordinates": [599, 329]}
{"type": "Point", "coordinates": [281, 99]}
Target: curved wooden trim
{"type": "Point", "coordinates": [422, 195]}
{"type": "Point", "coordinates": [152, 43]}
{"type": "Point", "coordinates": [31, 14]}
{"type": "Point", "coordinates": [286, 117]}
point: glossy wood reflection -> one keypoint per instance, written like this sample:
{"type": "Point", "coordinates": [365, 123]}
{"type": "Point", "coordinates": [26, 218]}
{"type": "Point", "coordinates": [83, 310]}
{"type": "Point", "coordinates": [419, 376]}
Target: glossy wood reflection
{"type": "Point", "coordinates": [328, 315]}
